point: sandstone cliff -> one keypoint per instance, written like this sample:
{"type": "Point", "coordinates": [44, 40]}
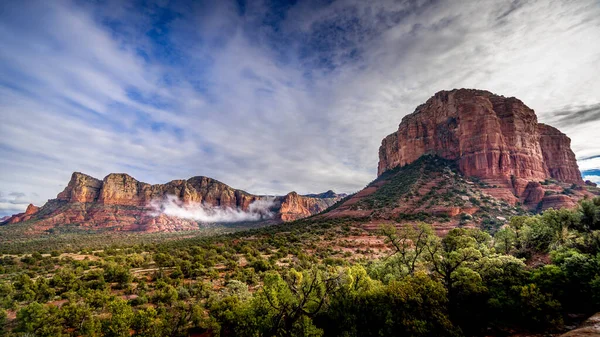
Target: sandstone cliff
{"type": "Point", "coordinates": [490, 136]}
{"type": "Point", "coordinates": [122, 189]}
{"type": "Point", "coordinates": [294, 206]}
{"type": "Point", "coordinates": [120, 202]}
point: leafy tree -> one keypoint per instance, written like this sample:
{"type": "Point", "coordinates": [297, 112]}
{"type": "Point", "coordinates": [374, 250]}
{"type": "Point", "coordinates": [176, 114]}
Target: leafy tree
{"type": "Point", "coordinates": [39, 320]}
{"type": "Point", "coordinates": [505, 240]}
{"type": "Point", "coordinates": [589, 211]}
{"type": "Point", "coordinates": [44, 291]}
{"type": "Point", "coordinates": [416, 305]}
{"type": "Point", "coordinates": [121, 318]}
{"type": "Point", "coordinates": [296, 299]}
{"type": "Point", "coordinates": [2, 320]}
{"type": "Point", "coordinates": [409, 243]}
{"type": "Point", "coordinates": [76, 314]}
{"type": "Point", "coordinates": [146, 323]}
{"type": "Point", "coordinates": [176, 318]}
{"type": "Point", "coordinates": [541, 310]}
{"type": "Point", "coordinates": [449, 257]}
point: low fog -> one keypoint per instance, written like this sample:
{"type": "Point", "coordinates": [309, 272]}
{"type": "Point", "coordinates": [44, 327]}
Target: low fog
{"type": "Point", "coordinates": [172, 206]}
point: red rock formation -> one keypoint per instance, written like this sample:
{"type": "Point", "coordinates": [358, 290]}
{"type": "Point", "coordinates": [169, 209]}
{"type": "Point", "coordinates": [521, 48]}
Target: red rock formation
{"type": "Point", "coordinates": [491, 136]}
{"type": "Point", "coordinates": [294, 206]}
{"type": "Point", "coordinates": [558, 157]}
{"type": "Point", "coordinates": [533, 195]}
{"type": "Point", "coordinates": [81, 188]}
{"type": "Point", "coordinates": [31, 209]}
{"type": "Point", "coordinates": [29, 212]}
{"type": "Point", "coordinates": [494, 138]}
{"type": "Point", "coordinates": [121, 202]}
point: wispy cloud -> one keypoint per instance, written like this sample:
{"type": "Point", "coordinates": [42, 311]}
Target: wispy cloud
{"type": "Point", "coordinates": [576, 115]}
{"type": "Point", "coordinates": [267, 98]}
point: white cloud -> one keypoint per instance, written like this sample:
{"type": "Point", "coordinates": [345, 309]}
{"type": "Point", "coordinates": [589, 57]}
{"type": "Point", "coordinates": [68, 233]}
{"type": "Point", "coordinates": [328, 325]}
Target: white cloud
{"type": "Point", "coordinates": [589, 164]}
{"type": "Point", "coordinates": [172, 206]}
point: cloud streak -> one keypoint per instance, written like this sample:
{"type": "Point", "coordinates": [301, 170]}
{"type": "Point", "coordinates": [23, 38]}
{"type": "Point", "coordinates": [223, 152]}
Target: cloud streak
{"type": "Point", "coordinates": [267, 99]}
{"type": "Point", "coordinates": [172, 206]}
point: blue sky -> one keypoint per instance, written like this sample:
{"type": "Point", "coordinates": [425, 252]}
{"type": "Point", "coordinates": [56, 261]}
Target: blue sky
{"type": "Point", "coordinates": [269, 96]}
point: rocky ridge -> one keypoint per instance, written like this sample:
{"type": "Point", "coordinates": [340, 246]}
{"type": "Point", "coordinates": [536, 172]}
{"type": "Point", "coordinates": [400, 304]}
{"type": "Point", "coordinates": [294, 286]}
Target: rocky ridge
{"type": "Point", "coordinates": [120, 202]}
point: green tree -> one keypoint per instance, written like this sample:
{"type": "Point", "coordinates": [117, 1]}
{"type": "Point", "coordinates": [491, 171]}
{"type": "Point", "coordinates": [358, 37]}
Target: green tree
{"type": "Point", "coordinates": [121, 318]}
{"type": "Point", "coordinates": [589, 211]}
{"type": "Point", "coordinates": [295, 299]}
{"type": "Point", "coordinates": [2, 320]}
{"type": "Point", "coordinates": [75, 315]}
{"type": "Point", "coordinates": [409, 243]}
{"type": "Point", "coordinates": [39, 320]}
{"type": "Point", "coordinates": [146, 323]}
{"type": "Point", "coordinates": [541, 310]}
{"type": "Point", "coordinates": [505, 240]}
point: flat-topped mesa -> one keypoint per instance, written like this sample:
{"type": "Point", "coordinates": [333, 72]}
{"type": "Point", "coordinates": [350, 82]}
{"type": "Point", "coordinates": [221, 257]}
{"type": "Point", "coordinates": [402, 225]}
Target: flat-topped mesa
{"type": "Point", "coordinates": [490, 137]}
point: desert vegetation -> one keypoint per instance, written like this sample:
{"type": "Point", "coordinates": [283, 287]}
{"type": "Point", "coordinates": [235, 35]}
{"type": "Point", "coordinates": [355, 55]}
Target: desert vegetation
{"type": "Point", "coordinates": [311, 278]}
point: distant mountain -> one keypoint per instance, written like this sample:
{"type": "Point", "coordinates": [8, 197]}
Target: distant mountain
{"type": "Point", "coordinates": [328, 194]}
{"type": "Point", "coordinates": [465, 154]}
{"type": "Point", "coordinates": [120, 202]}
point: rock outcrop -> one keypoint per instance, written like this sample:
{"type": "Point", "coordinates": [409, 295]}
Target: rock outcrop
{"type": "Point", "coordinates": [29, 212]}
{"type": "Point", "coordinates": [589, 328]}
{"type": "Point", "coordinates": [81, 188]}
{"type": "Point", "coordinates": [121, 202]}
{"type": "Point", "coordinates": [558, 157]}
{"type": "Point", "coordinates": [493, 138]}
{"type": "Point", "coordinates": [294, 206]}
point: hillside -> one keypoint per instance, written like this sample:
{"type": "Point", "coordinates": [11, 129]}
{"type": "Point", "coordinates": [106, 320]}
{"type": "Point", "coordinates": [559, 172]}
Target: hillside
{"type": "Point", "coordinates": [469, 157]}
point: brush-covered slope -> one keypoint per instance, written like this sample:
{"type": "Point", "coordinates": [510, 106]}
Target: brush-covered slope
{"type": "Point", "coordinates": [434, 190]}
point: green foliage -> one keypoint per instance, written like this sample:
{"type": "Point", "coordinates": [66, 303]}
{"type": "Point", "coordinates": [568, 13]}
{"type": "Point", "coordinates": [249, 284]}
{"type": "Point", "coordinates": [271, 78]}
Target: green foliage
{"type": "Point", "coordinates": [121, 318]}
{"type": "Point", "coordinates": [304, 279]}
{"type": "Point", "coordinates": [39, 320]}
{"type": "Point", "coordinates": [412, 306]}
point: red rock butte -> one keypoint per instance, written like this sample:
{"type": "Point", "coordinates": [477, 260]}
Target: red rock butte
{"type": "Point", "coordinates": [491, 137]}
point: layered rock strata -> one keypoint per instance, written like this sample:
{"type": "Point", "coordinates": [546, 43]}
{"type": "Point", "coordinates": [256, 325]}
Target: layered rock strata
{"type": "Point", "coordinates": [121, 202]}
{"type": "Point", "coordinates": [490, 136]}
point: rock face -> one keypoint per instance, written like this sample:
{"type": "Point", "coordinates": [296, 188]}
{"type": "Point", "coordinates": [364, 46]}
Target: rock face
{"type": "Point", "coordinates": [81, 188]}
{"type": "Point", "coordinates": [122, 189]}
{"type": "Point", "coordinates": [121, 202]}
{"type": "Point", "coordinates": [493, 138]}
{"type": "Point", "coordinates": [490, 136]}
{"type": "Point", "coordinates": [558, 157]}
{"type": "Point", "coordinates": [294, 206]}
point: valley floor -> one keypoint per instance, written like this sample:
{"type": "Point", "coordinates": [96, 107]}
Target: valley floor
{"type": "Point", "coordinates": [314, 277]}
